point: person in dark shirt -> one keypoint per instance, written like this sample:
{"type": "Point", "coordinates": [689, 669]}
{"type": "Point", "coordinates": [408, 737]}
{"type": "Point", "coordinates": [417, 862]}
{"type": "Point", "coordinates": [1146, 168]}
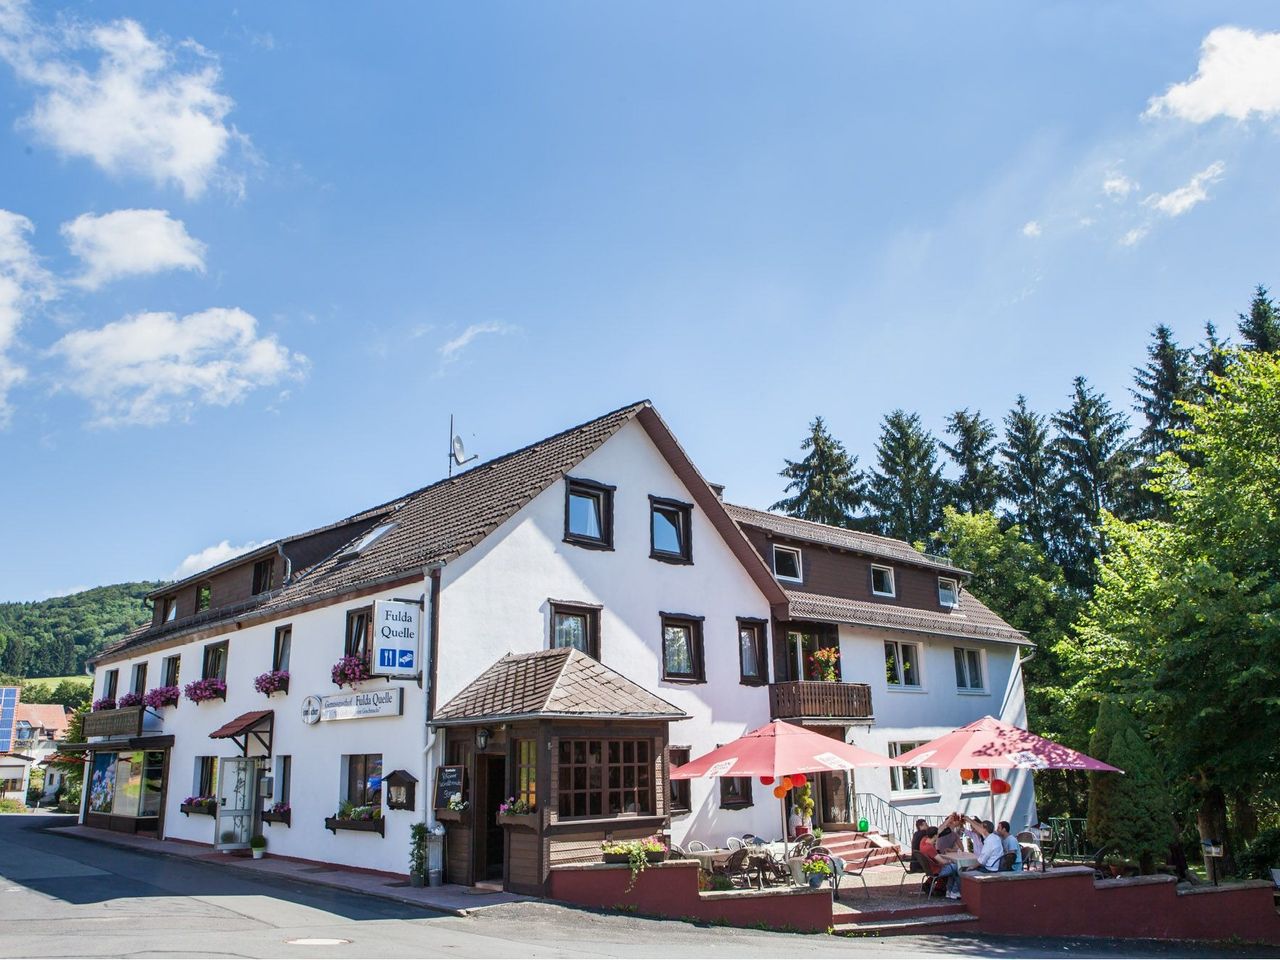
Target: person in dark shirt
{"type": "Point", "coordinates": [922, 827]}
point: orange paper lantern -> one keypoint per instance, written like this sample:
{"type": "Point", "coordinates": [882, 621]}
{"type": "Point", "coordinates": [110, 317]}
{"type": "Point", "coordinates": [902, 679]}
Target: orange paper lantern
{"type": "Point", "coordinates": [966, 774]}
{"type": "Point", "coordinates": [766, 780]}
{"type": "Point", "coordinates": [1000, 786]}
{"type": "Point", "coordinates": [787, 784]}
{"type": "Point", "coordinates": [799, 779]}
{"type": "Point", "coordinates": [779, 791]}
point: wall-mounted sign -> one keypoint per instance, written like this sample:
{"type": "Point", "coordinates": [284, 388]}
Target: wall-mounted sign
{"type": "Point", "coordinates": [354, 706]}
{"type": "Point", "coordinates": [396, 636]}
{"type": "Point", "coordinates": [124, 722]}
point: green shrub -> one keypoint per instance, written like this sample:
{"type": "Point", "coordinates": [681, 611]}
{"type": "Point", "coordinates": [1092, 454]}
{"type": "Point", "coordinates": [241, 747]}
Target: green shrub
{"type": "Point", "coordinates": [12, 806]}
{"type": "Point", "coordinates": [1262, 854]}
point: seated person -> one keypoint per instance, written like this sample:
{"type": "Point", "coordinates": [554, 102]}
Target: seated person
{"type": "Point", "coordinates": [988, 847]}
{"type": "Point", "coordinates": [1010, 844]}
{"type": "Point", "coordinates": [948, 838]}
{"type": "Point", "coordinates": [922, 826]}
{"type": "Point", "coordinates": [929, 843]}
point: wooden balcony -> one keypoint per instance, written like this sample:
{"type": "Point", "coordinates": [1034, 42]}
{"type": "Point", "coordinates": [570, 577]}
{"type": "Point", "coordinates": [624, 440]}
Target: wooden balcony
{"type": "Point", "coordinates": [819, 700]}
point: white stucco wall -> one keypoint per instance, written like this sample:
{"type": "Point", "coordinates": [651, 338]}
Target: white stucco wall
{"type": "Point", "coordinates": [317, 750]}
{"type": "Point", "coordinates": [494, 600]}
{"type": "Point", "coordinates": [936, 707]}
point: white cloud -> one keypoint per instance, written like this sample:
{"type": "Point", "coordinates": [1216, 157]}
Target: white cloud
{"type": "Point", "coordinates": [1177, 202]}
{"type": "Point", "coordinates": [1031, 229]}
{"type": "Point", "coordinates": [127, 242]}
{"type": "Point", "coordinates": [147, 106]}
{"type": "Point", "coordinates": [1238, 75]}
{"type": "Point", "coordinates": [453, 349]}
{"type": "Point", "coordinates": [212, 556]}
{"type": "Point", "coordinates": [150, 367]}
{"type": "Point", "coordinates": [1135, 236]}
{"type": "Point", "coordinates": [1118, 186]}
{"type": "Point", "coordinates": [23, 283]}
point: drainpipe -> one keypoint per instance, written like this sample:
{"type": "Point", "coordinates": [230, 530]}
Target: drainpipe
{"type": "Point", "coordinates": [429, 733]}
{"type": "Point", "coordinates": [288, 564]}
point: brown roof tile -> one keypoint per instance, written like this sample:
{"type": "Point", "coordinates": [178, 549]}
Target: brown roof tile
{"type": "Point", "coordinates": [553, 683]}
{"type": "Point", "coordinates": [971, 619]}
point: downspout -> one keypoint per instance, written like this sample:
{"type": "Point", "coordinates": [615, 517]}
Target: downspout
{"type": "Point", "coordinates": [433, 649]}
{"type": "Point", "coordinates": [288, 564]}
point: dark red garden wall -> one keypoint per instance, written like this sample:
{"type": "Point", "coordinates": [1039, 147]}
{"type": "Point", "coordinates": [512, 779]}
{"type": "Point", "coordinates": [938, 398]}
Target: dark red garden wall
{"type": "Point", "coordinates": [1069, 903]}
{"type": "Point", "coordinates": [671, 890]}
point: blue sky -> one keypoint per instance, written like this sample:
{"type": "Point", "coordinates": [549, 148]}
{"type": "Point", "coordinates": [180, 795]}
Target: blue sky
{"type": "Point", "coordinates": [251, 259]}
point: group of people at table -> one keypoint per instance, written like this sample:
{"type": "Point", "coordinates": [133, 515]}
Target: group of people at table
{"type": "Point", "coordinates": [941, 850]}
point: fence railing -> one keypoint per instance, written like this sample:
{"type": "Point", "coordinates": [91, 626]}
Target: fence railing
{"type": "Point", "coordinates": [883, 816]}
{"type": "Point", "coordinates": [1068, 837]}
{"type": "Point", "coordinates": [819, 698]}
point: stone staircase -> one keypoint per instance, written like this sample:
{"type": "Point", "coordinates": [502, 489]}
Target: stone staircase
{"type": "Point", "coordinates": [947, 917]}
{"type": "Point", "coordinates": [852, 846]}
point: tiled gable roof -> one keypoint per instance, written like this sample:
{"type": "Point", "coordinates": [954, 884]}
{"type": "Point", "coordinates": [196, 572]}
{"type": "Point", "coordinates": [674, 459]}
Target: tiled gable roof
{"type": "Point", "coordinates": [47, 716]}
{"type": "Point", "coordinates": [971, 619]}
{"type": "Point", "coordinates": [870, 544]}
{"type": "Point", "coordinates": [562, 683]}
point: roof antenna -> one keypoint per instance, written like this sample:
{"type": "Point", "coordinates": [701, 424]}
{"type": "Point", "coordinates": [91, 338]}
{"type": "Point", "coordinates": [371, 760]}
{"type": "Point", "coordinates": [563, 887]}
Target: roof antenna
{"type": "Point", "coordinates": [457, 452]}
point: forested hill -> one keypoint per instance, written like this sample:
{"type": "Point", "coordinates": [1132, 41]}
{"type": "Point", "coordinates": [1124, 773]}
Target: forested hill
{"type": "Point", "coordinates": [54, 637]}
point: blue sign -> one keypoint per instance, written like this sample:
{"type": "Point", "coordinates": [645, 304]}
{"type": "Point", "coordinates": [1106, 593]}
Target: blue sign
{"type": "Point", "coordinates": [387, 657]}
{"type": "Point", "coordinates": [406, 659]}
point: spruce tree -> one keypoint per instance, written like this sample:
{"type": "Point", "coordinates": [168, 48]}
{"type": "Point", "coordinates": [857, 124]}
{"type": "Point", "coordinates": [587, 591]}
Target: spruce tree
{"type": "Point", "coordinates": [1096, 463]}
{"type": "Point", "coordinates": [1028, 474]}
{"type": "Point", "coordinates": [977, 488]}
{"type": "Point", "coordinates": [1211, 361]}
{"type": "Point", "coordinates": [1167, 379]}
{"type": "Point", "coordinates": [906, 487]}
{"type": "Point", "coordinates": [827, 486]}
{"type": "Point", "coordinates": [1139, 823]}
{"type": "Point", "coordinates": [1260, 327]}
{"type": "Point", "coordinates": [1113, 719]}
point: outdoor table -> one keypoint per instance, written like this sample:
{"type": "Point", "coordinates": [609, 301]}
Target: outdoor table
{"type": "Point", "coordinates": [965, 861]}
{"type": "Point", "coordinates": [708, 859]}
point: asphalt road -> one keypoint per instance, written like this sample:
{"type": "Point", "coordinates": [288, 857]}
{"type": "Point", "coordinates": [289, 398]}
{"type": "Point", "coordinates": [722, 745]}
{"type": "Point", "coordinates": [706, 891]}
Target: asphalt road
{"type": "Point", "coordinates": [65, 896]}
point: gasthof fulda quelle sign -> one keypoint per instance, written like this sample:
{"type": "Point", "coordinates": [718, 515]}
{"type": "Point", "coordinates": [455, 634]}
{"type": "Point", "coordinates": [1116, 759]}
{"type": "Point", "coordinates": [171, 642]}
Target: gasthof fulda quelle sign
{"type": "Point", "coordinates": [396, 638]}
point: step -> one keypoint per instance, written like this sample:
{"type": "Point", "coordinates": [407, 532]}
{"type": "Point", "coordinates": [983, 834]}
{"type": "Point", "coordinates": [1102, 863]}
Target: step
{"type": "Point", "coordinates": [943, 908]}
{"type": "Point", "coordinates": [903, 927]}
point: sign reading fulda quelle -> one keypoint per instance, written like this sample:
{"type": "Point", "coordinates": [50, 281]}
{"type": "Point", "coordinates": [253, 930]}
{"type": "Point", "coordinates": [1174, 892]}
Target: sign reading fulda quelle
{"type": "Point", "coordinates": [354, 706]}
{"type": "Point", "coordinates": [396, 638]}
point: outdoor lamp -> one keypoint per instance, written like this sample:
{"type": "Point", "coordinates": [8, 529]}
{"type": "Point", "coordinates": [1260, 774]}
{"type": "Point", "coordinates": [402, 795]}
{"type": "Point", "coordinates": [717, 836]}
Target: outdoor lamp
{"type": "Point", "coordinates": [482, 738]}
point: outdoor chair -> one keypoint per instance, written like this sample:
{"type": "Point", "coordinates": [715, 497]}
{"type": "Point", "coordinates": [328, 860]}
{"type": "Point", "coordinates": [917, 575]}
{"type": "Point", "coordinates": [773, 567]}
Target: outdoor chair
{"type": "Point", "coordinates": [735, 868]}
{"type": "Point", "coordinates": [773, 870]}
{"type": "Point", "coordinates": [804, 845]}
{"type": "Point", "coordinates": [840, 869]}
{"type": "Point", "coordinates": [696, 846]}
{"type": "Point", "coordinates": [1031, 852]}
{"type": "Point", "coordinates": [906, 863]}
{"type": "Point", "coordinates": [1007, 861]}
{"type": "Point", "coordinates": [932, 867]}
{"type": "Point", "coordinates": [733, 843]}
{"type": "Point", "coordinates": [676, 852]}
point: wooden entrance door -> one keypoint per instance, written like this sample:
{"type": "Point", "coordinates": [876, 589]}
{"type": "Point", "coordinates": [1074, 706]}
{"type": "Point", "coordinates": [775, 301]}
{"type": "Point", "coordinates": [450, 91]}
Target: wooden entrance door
{"type": "Point", "coordinates": [491, 790]}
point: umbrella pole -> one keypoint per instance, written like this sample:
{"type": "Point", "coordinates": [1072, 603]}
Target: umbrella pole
{"type": "Point", "coordinates": [783, 804]}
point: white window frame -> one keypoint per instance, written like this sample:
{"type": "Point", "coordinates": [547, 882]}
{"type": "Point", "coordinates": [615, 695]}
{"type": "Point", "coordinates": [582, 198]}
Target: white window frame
{"type": "Point", "coordinates": [982, 669]}
{"type": "Point", "coordinates": [893, 583]}
{"type": "Point", "coordinates": [955, 592]}
{"type": "Point", "coordinates": [799, 564]}
{"type": "Point", "coordinates": [919, 662]}
{"type": "Point", "coordinates": [928, 783]}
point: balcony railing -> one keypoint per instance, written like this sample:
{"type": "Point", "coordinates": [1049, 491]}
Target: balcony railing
{"type": "Point", "coordinates": [819, 699]}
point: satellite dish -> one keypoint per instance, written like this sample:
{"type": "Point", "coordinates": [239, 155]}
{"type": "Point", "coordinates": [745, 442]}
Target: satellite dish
{"type": "Point", "coordinates": [460, 452]}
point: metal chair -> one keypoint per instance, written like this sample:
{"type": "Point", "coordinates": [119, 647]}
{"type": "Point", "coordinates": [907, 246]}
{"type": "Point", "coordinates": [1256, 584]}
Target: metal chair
{"type": "Point", "coordinates": [676, 852]}
{"type": "Point", "coordinates": [773, 870]}
{"type": "Point", "coordinates": [733, 843]}
{"type": "Point", "coordinates": [840, 869]}
{"type": "Point", "coordinates": [932, 867]}
{"type": "Point", "coordinates": [1031, 852]}
{"type": "Point", "coordinates": [802, 846]}
{"type": "Point", "coordinates": [696, 846]}
{"type": "Point", "coordinates": [735, 868]}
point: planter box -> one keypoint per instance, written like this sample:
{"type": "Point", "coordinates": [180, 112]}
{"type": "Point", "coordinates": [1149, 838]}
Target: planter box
{"type": "Point", "coordinates": [286, 818]}
{"type": "Point", "coordinates": [377, 825]}
{"type": "Point", "coordinates": [615, 858]}
{"type": "Point", "coordinates": [656, 856]}
{"type": "Point", "coordinates": [520, 821]}
{"type": "Point", "coordinates": [204, 809]}
{"type": "Point", "coordinates": [449, 816]}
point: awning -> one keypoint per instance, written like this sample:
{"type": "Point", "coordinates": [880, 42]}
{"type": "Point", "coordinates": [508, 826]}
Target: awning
{"type": "Point", "coordinates": [259, 724]}
{"type": "Point", "coordinates": [63, 760]}
{"type": "Point", "coordinates": [158, 742]}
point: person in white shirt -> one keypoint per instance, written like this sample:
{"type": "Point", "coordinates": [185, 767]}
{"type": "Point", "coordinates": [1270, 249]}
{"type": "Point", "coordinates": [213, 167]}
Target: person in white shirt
{"type": "Point", "coordinates": [987, 846]}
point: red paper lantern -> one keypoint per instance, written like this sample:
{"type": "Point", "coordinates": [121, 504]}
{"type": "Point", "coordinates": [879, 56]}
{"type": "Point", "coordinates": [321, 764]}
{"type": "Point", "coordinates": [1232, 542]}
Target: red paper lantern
{"type": "Point", "coordinates": [984, 774]}
{"type": "Point", "coordinates": [779, 791]}
{"type": "Point", "coordinates": [1000, 786]}
{"type": "Point", "coordinates": [799, 779]}
{"type": "Point", "coordinates": [787, 784]}
{"type": "Point", "coordinates": [766, 780]}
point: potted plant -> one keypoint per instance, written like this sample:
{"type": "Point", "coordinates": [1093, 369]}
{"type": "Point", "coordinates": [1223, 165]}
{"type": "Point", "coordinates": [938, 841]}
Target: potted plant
{"type": "Point", "coordinates": [514, 812]}
{"type": "Point", "coordinates": [452, 811]}
{"type": "Point", "coordinates": [206, 806]}
{"type": "Point", "coordinates": [258, 846]}
{"type": "Point", "coordinates": [210, 688]}
{"type": "Point", "coordinates": [129, 700]}
{"type": "Point", "coordinates": [655, 848]}
{"type": "Point", "coordinates": [273, 681]}
{"type": "Point", "coordinates": [349, 671]}
{"type": "Point", "coordinates": [104, 703]}
{"type": "Point", "coordinates": [816, 870]}
{"type": "Point", "coordinates": [278, 813]}
{"type": "Point", "coordinates": [634, 853]}
{"type": "Point", "coordinates": [418, 854]}
{"type": "Point", "coordinates": [1115, 864]}
{"type": "Point", "coordinates": [367, 818]}
{"type": "Point", "coordinates": [158, 697]}
{"type": "Point", "coordinates": [826, 663]}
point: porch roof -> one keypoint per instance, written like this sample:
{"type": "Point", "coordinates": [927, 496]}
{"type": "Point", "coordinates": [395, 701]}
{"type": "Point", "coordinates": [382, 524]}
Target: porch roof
{"type": "Point", "coordinates": [552, 684]}
{"type": "Point", "coordinates": [241, 724]}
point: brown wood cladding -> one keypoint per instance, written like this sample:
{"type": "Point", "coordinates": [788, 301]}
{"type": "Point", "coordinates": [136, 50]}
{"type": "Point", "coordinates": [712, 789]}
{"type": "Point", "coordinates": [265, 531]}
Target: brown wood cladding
{"type": "Point", "coordinates": [835, 573]}
{"type": "Point", "coordinates": [818, 698]}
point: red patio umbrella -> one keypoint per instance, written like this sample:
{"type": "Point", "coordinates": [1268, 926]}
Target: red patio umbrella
{"type": "Point", "coordinates": [992, 744]}
{"type": "Point", "coordinates": [779, 749]}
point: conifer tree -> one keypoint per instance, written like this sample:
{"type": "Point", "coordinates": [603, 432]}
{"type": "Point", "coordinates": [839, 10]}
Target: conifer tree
{"type": "Point", "coordinates": [1167, 378]}
{"type": "Point", "coordinates": [1096, 464]}
{"type": "Point", "coordinates": [827, 486]}
{"type": "Point", "coordinates": [1029, 473]}
{"type": "Point", "coordinates": [977, 488]}
{"type": "Point", "coordinates": [1113, 720]}
{"type": "Point", "coordinates": [1211, 361]}
{"type": "Point", "coordinates": [1260, 327]}
{"type": "Point", "coordinates": [905, 492]}
{"type": "Point", "coordinates": [1139, 823]}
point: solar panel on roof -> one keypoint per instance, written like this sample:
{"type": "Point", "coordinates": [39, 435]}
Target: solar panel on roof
{"type": "Point", "coordinates": [8, 707]}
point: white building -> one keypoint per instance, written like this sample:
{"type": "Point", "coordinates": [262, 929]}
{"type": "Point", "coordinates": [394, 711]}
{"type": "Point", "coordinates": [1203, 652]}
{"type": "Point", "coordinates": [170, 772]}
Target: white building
{"type": "Point", "coordinates": [604, 539]}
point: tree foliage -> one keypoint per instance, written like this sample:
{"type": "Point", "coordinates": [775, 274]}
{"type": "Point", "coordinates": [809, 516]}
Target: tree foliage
{"type": "Point", "coordinates": [1029, 474]}
{"type": "Point", "coordinates": [826, 486]}
{"type": "Point", "coordinates": [906, 487]}
{"type": "Point", "coordinates": [1260, 327]}
{"type": "Point", "coordinates": [977, 488]}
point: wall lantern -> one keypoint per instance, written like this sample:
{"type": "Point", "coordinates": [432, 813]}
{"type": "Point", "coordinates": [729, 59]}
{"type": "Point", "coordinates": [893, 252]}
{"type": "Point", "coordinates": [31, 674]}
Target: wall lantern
{"type": "Point", "coordinates": [482, 738]}
{"type": "Point", "coordinates": [401, 789]}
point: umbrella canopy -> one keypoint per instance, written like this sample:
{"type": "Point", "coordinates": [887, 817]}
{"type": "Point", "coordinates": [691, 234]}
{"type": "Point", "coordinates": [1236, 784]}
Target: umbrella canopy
{"type": "Point", "coordinates": [992, 743]}
{"type": "Point", "coordinates": [776, 750]}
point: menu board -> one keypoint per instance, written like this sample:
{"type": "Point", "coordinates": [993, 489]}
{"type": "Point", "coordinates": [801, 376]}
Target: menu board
{"type": "Point", "coordinates": [449, 781]}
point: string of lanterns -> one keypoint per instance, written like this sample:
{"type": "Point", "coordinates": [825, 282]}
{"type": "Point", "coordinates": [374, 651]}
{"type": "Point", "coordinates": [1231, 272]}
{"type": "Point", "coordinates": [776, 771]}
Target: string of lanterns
{"type": "Point", "coordinates": [786, 785]}
{"type": "Point", "coordinates": [997, 785]}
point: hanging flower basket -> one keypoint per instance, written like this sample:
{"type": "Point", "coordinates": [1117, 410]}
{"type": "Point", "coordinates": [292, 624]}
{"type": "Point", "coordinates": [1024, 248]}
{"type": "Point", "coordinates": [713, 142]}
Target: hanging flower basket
{"type": "Point", "coordinates": [274, 681]}
{"type": "Point", "coordinates": [106, 703]}
{"type": "Point", "coordinates": [205, 806]}
{"type": "Point", "coordinates": [158, 697]}
{"type": "Point", "coordinates": [212, 688]}
{"type": "Point", "coordinates": [129, 700]}
{"type": "Point", "coordinates": [279, 813]}
{"type": "Point", "coordinates": [349, 671]}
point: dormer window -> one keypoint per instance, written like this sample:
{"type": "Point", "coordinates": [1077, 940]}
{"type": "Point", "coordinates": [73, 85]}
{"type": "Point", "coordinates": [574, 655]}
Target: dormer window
{"type": "Point", "coordinates": [882, 581]}
{"type": "Point", "coordinates": [786, 564]}
{"type": "Point", "coordinates": [588, 514]}
{"type": "Point", "coordinates": [203, 594]}
{"type": "Point", "coordinates": [948, 592]}
{"type": "Point", "coordinates": [669, 530]}
{"type": "Point", "coordinates": [368, 540]}
{"type": "Point", "coordinates": [263, 571]}
{"type": "Point", "coordinates": [170, 607]}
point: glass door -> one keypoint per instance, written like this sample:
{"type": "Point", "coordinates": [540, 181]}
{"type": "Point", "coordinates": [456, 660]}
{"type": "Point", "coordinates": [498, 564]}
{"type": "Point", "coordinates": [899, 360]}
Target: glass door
{"type": "Point", "coordinates": [237, 798]}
